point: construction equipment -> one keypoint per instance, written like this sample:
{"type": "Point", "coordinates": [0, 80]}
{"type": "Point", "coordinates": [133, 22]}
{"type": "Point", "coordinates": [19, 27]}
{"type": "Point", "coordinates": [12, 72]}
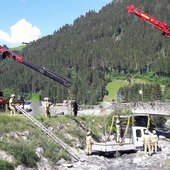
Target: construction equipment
{"type": "Point", "coordinates": [50, 134]}
{"type": "Point", "coordinates": [42, 70]}
{"type": "Point", "coordinates": [132, 142]}
{"type": "Point", "coordinates": [162, 26]}
{"type": "Point", "coordinates": [130, 137]}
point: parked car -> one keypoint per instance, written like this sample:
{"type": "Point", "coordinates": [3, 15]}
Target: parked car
{"type": "Point", "coordinates": [28, 106]}
{"type": "Point", "coordinates": [165, 132]}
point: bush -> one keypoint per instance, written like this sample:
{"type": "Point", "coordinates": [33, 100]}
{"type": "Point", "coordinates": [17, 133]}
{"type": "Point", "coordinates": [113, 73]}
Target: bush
{"type": "Point", "coordinates": [22, 153]}
{"type": "Point", "coordinates": [54, 152]}
{"type": "Point", "coordinates": [167, 94]}
{"type": "Point", "coordinates": [4, 165]}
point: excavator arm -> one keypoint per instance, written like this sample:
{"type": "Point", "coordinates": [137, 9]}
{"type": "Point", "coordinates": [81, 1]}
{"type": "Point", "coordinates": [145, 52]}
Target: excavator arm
{"type": "Point", "coordinates": [42, 70]}
{"type": "Point", "coordinates": [162, 26]}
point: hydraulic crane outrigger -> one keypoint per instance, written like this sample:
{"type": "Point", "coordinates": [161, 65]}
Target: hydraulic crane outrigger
{"type": "Point", "coordinates": [162, 26]}
{"type": "Point", "coordinates": [42, 70]}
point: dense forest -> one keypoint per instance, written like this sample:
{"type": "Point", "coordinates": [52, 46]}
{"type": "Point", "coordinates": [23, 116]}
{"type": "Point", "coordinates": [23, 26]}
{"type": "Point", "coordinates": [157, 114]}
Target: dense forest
{"type": "Point", "coordinates": [140, 92]}
{"type": "Point", "coordinates": [98, 44]}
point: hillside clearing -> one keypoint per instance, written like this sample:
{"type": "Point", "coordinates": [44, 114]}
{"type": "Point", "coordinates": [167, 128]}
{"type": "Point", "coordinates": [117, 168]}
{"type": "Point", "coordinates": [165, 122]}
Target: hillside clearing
{"type": "Point", "coordinates": [116, 84]}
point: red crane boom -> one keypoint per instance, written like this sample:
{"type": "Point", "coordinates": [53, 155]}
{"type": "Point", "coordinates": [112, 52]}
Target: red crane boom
{"type": "Point", "coordinates": [162, 26]}
{"type": "Point", "coordinates": [42, 70]}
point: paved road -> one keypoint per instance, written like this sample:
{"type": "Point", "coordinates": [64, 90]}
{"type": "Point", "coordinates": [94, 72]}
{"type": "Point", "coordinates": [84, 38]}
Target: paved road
{"type": "Point", "coordinates": [160, 108]}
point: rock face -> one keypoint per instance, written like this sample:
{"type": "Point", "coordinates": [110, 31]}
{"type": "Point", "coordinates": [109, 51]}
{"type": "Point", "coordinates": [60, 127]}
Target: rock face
{"type": "Point", "coordinates": [39, 152]}
{"type": "Point", "coordinates": [6, 157]}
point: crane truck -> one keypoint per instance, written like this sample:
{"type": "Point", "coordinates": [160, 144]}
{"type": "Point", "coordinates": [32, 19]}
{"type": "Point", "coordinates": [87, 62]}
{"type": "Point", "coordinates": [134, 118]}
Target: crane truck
{"type": "Point", "coordinates": [131, 138]}
{"type": "Point", "coordinates": [162, 26]}
{"type": "Point", "coordinates": [132, 142]}
{"type": "Point", "coordinates": [42, 70]}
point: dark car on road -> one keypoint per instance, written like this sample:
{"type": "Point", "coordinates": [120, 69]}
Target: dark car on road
{"type": "Point", "coordinates": [163, 132]}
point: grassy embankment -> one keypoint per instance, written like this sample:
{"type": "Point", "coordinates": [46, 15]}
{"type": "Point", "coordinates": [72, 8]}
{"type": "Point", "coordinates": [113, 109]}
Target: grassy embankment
{"type": "Point", "coordinates": [69, 128]}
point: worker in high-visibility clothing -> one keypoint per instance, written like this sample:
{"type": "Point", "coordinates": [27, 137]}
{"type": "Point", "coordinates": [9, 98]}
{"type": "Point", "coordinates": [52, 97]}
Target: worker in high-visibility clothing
{"type": "Point", "coordinates": [12, 104]}
{"type": "Point", "coordinates": [47, 107]}
{"type": "Point", "coordinates": [89, 143]}
{"type": "Point", "coordinates": [147, 146]}
{"type": "Point", "coordinates": [118, 130]}
{"type": "Point", "coordinates": [154, 142]}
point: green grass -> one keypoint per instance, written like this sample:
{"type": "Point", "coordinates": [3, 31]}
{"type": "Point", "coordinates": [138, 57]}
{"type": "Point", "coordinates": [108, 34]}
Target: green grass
{"type": "Point", "coordinates": [113, 88]}
{"type": "Point", "coordinates": [35, 97]}
{"type": "Point", "coordinates": [116, 84]}
{"type": "Point", "coordinates": [24, 151]}
{"type": "Point", "coordinates": [5, 165]}
{"type": "Point", "coordinates": [9, 123]}
{"type": "Point", "coordinates": [19, 48]}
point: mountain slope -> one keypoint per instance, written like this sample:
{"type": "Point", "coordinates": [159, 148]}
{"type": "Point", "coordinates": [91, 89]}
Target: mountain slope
{"type": "Point", "coordinates": [97, 44]}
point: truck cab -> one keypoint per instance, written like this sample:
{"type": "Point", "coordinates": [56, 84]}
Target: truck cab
{"type": "Point", "coordinates": [138, 136]}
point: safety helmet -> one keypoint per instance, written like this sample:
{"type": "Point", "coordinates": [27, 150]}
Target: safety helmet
{"type": "Point", "coordinates": [12, 95]}
{"type": "Point", "coordinates": [117, 120]}
{"type": "Point", "coordinates": [46, 98]}
{"type": "Point", "coordinates": [88, 133]}
{"type": "Point", "coordinates": [154, 132]}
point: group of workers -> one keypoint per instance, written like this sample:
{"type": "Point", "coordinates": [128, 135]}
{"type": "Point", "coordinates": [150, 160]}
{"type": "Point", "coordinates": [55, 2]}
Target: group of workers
{"type": "Point", "coordinates": [47, 104]}
{"type": "Point", "coordinates": [150, 142]}
{"type": "Point", "coordinates": [12, 103]}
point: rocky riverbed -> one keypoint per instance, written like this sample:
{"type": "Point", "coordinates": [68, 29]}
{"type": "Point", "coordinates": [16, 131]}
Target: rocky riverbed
{"type": "Point", "coordinates": [135, 161]}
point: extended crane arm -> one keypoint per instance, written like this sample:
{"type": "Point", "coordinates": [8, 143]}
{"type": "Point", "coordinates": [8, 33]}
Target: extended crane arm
{"type": "Point", "coordinates": [42, 70]}
{"type": "Point", "coordinates": [162, 26]}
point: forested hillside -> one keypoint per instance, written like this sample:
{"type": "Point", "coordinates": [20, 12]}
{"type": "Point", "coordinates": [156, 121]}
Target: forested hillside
{"type": "Point", "coordinates": [98, 44]}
